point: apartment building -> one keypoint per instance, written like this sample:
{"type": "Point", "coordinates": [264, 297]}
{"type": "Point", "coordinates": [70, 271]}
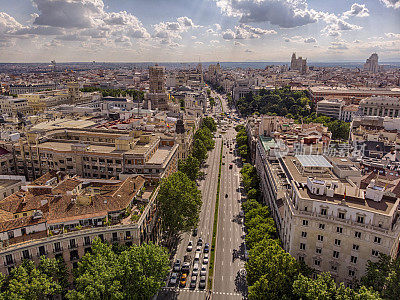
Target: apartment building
{"type": "Point", "coordinates": [30, 88]}
{"type": "Point", "coordinates": [94, 153]}
{"type": "Point", "coordinates": [9, 184]}
{"type": "Point", "coordinates": [59, 216]}
{"type": "Point", "coordinates": [323, 216]}
{"type": "Point", "coordinates": [10, 105]}
{"type": "Point", "coordinates": [331, 108]}
{"type": "Point", "coordinates": [380, 106]}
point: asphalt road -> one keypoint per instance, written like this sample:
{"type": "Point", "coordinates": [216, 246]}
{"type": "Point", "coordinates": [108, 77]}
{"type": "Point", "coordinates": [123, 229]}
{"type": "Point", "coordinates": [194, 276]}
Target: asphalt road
{"type": "Point", "coordinates": [229, 279]}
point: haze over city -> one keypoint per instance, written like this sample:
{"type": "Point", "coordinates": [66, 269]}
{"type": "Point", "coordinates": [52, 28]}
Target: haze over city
{"type": "Point", "coordinates": [205, 30]}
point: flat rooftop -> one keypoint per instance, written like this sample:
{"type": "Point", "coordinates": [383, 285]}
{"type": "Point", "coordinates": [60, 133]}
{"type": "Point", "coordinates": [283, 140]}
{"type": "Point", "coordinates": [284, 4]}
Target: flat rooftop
{"type": "Point", "coordinates": [317, 161]}
{"type": "Point", "coordinates": [4, 183]}
{"type": "Point", "coordinates": [63, 123]}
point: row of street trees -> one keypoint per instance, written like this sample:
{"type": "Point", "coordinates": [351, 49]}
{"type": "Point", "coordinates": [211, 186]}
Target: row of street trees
{"type": "Point", "coordinates": [137, 95]}
{"type": "Point", "coordinates": [241, 141]}
{"type": "Point", "coordinates": [118, 272]}
{"type": "Point", "coordinates": [179, 199]}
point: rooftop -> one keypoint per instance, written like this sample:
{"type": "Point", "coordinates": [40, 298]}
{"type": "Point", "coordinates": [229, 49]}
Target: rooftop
{"type": "Point", "coordinates": [317, 161]}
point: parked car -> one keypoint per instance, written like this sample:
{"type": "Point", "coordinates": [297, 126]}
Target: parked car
{"type": "Point", "coordinates": [198, 249]}
{"type": "Point", "coordinates": [173, 279]}
{"type": "Point", "coordinates": [206, 248]}
{"type": "Point", "coordinates": [190, 246]}
{"type": "Point", "coordinates": [177, 265]}
{"type": "Point", "coordinates": [194, 232]}
{"type": "Point", "coordinates": [200, 242]}
{"type": "Point", "coordinates": [205, 258]}
{"type": "Point", "coordinates": [196, 257]}
{"type": "Point", "coordinates": [182, 282]}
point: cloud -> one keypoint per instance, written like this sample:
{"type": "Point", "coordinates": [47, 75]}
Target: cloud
{"type": "Point", "coordinates": [392, 35]}
{"type": "Point", "coordinates": [68, 13]}
{"type": "Point", "coordinates": [236, 43]}
{"type": "Point", "coordinates": [284, 13]}
{"type": "Point", "coordinates": [199, 43]}
{"type": "Point", "coordinates": [171, 31]}
{"type": "Point", "coordinates": [335, 25]}
{"type": "Point", "coordinates": [248, 51]}
{"type": "Point", "coordinates": [39, 30]}
{"type": "Point", "coordinates": [72, 38]}
{"type": "Point", "coordinates": [228, 34]}
{"type": "Point", "coordinates": [338, 46]}
{"type": "Point", "coordinates": [356, 10]}
{"type": "Point", "coordinates": [244, 31]}
{"type": "Point", "coordinates": [310, 40]}
{"type": "Point", "coordinates": [391, 3]}
{"type": "Point", "coordinates": [8, 24]}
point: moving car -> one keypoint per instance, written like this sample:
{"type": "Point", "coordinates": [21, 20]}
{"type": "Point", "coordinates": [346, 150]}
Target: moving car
{"type": "Point", "coordinates": [190, 246]}
{"type": "Point", "coordinates": [205, 258]}
{"type": "Point", "coordinates": [198, 249]}
{"type": "Point", "coordinates": [195, 269]}
{"type": "Point", "coordinates": [194, 232]}
{"type": "Point", "coordinates": [203, 271]}
{"type": "Point", "coordinates": [177, 265]}
{"type": "Point", "coordinates": [182, 283]}
{"type": "Point", "coordinates": [206, 248]}
{"type": "Point", "coordinates": [226, 195]}
{"type": "Point", "coordinates": [185, 267]}
{"type": "Point", "coordinates": [173, 279]}
{"type": "Point", "coordinates": [200, 242]}
{"type": "Point", "coordinates": [230, 166]}
{"type": "Point", "coordinates": [202, 283]}
{"type": "Point", "coordinates": [193, 282]}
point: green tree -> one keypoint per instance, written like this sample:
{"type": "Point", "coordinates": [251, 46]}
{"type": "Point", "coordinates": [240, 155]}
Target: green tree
{"type": "Point", "coordinates": [210, 124]}
{"type": "Point", "coordinates": [190, 166]}
{"type": "Point", "coordinates": [179, 203]}
{"type": "Point", "coordinates": [27, 282]}
{"type": "Point", "coordinates": [144, 269]}
{"type": "Point", "coordinates": [56, 270]}
{"type": "Point", "coordinates": [199, 150]}
{"type": "Point", "coordinates": [250, 204]}
{"type": "Point", "coordinates": [384, 276]}
{"type": "Point", "coordinates": [204, 134]}
{"type": "Point", "coordinates": [270, 271]}
{"type": "Point", "coordinates": [97, 275]}
{"type": "Point", "coordinates": [325, 288]}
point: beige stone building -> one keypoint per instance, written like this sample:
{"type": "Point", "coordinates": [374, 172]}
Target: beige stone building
{"type": "Point", "coordinates": [322, 215]}
{"type": "Point", "coordinates": [94, 153]}
{"type": "Point", "coordinates": [59, 216]}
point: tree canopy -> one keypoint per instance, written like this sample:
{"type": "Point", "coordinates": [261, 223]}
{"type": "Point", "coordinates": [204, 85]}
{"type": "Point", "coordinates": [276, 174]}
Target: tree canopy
{"type": "Point", "coordinates": [190, 166]}
{"type": "Point", "coordinates": [136, 273]}
{"type": "Point", "coordinates": [179, 203]}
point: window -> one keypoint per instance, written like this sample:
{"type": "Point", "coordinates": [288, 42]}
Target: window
{"type": "Point", "coordinates": [323, 211]}
{"type": "Point", "coordinates": [302, 246]}
{"type": "Point", "coordinates": [25, 254]}
{"type": "Point", "coordinates": [320, 238]}
{"type": "Point", "coordinates": [334, 268]}
{"type": "Point", "coordinates": [87, 241]}
{"type": "Point", "coordinates": [339, 229]}
{"type": "Point", "coordinates": [360, 219]}
{"type": "Point", "coordinates": [321, 226]}
{"type": "Point", "coordinates": [305, 222]}
{"type": "Point", "coordinates": [303, 234]}
{"type": "Point", "coordinates": [305, 208]}
{"type": "Point", "coordinates": [355, 247]}
{"type": "Point", "coordinates": [357, 234]}
{"type": "Point", "coordinates": [341, 215]}
{"type": "Point", "coordinates": [351, 273]}
{"type": "Point", "coordinates": [317, 262]}
{"type": "Point", "coordinates": [318, 250]}
{"type": "Point", "coordinates": [377, 240]}
{"type": "Point", "coordinates": [375, 253]}
{"type": "Point", "coordinates": [337, 242]}
{"type": "Point", "coordinates": [335, 254]}
{"type": "Point", "coordinates": [353, 259]}
{"type": "Point", "coordinates": [301, 258]}
{"type": "Point", "coordinates": [57, 247]}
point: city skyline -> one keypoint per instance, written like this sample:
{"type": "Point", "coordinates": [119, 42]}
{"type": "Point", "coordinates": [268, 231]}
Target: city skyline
{"type": "Point", "coordinates": [206, 30]}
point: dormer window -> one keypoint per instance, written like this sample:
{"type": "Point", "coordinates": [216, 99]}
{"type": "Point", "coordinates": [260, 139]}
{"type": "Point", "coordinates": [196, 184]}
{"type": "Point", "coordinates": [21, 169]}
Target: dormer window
{"type": "Point", "coordinates": [360, 219]}
{"type": "Point", "coordinates": [323, 211]}
{"type": "Point", "coordinates": [341, 215]}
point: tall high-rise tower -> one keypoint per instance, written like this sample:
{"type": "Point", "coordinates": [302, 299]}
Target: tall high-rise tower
{"type": "Point", "coordinates": [371, 64]}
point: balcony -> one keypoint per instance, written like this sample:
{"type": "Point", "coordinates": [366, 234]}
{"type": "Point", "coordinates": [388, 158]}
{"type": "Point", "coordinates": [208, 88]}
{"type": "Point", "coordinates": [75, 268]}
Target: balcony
{"type": "Point", "coordinates": [60, 249]}
{"type": "Point", "coordinates": [9, 263]}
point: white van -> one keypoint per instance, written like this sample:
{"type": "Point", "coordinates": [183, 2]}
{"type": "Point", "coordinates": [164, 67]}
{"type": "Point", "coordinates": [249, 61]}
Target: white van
{"type": "Point", "coordinates": [197, 257]}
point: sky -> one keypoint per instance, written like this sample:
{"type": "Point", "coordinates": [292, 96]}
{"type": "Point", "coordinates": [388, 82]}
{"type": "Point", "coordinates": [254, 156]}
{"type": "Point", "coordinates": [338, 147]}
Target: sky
{"type": "Point", "coordinates": [198, 30]}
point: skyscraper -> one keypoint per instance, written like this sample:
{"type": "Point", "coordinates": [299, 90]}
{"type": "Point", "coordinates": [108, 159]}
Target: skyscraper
{"type": "Point", "coordinates": [371, 64]}
{"type": "Point", "coordinates": [299, 64]}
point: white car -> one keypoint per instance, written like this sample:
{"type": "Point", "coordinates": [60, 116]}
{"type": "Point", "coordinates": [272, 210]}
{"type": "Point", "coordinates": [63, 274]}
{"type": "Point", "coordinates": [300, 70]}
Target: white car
{"type": "Point", "coordinates": [203, 271]}
{"type": "Point", "coordinates": [205, 258]}
{"type": "Point", "coordinates": [195, 270]}
{"type": "Point", "coordinates": [173, 279]}
{"type": "Point", "coordinates": [198, 249]}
